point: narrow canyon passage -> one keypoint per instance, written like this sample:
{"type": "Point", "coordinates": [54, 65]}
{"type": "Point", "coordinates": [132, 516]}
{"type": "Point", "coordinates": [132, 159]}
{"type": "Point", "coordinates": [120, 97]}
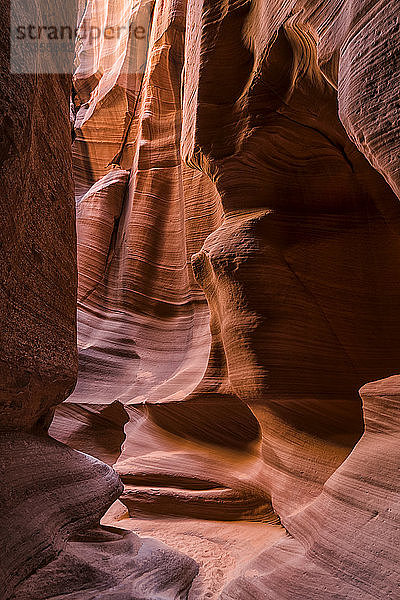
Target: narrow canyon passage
{"type": "Point", "coordinates": [200, 334]}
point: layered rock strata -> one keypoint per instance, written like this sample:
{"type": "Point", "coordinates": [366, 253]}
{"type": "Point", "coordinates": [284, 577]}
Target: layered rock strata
{"type": "Point", "coordinates": [298, 276]}
{"type": "Point", "coordinates": [52, 497]}
{"type": "Point", "coordinates": [344, 543]}
{"type": "Point", "coordinates": [237, 246]}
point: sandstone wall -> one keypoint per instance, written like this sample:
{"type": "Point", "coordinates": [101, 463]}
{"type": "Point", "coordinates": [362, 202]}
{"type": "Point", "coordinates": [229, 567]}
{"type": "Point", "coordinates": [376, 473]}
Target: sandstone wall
{"type": "Point", "coordinates": [238, 246]}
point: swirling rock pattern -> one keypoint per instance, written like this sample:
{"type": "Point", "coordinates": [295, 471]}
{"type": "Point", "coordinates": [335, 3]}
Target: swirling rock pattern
{"type": "Point", "coordinates": [345, 542]}
{"type": "Point", "coordinates": [297, 279]}
{"type": "Point", "coordinates": [143, 322]}
{"type": "Point", "coordinates": [52, 492]}
{"type": "Point", "coordinates": [238, 240]}
{"type": "Point", "coordinates": [53, 545]}
{"type": "Point", "coordinates": [283, 293]}
{"type": "Point", "coordinates": [52, 497]}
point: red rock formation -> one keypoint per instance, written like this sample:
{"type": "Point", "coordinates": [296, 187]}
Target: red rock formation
{"type": "Point", "coordinates": [38, 360]}
{"type": "Point", "coordinates": [345, 542]}
{"type": "Point", "coordinates": [298, 277]}
{"type": "Point", "coordinates": [137, 297]}
{"type": "Point", "coordinates": [233, 388]}
{"type": "Point", "coordinates": [283, 292]}
{"type": "Point", "coordinates": [52, 497]}
{"type": "Point", "coordinates": [143, 321]}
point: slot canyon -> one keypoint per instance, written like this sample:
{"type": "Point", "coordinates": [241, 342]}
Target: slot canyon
{"type": "Point", "coordinates": [200, 301]}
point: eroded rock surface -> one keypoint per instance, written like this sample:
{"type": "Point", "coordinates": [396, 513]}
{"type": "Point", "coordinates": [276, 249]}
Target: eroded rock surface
{"type": "Point", "coordinates": [297, 276]}
{"type": "Point", "coordinates": [52, 497]}
{"type": "Point", "coordinates": [238, 248]}
{"type": "Point", "coordinates": [38, 358]}
{"type": "Point", "coordinates": [345, 541]}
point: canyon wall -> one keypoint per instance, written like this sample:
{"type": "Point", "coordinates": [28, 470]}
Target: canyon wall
{"type": "Point", "coordinates": [254, 151]}
{"type": "Point", "coordinates": [52, 497]}
{"type": "Point", "coordinates": [237, 211]}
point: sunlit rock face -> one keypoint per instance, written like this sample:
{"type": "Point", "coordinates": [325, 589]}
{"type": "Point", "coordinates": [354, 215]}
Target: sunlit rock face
{"type": "Point", "coordinates": [143, 322]}
{"type": "Point", "coordinates": [236, 172]}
